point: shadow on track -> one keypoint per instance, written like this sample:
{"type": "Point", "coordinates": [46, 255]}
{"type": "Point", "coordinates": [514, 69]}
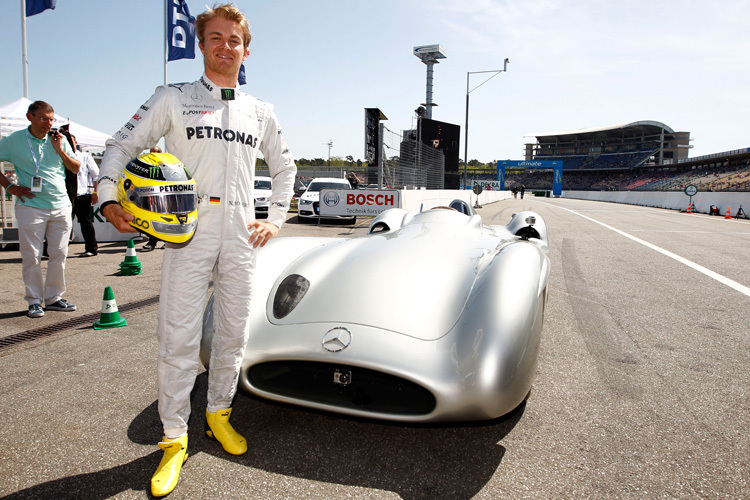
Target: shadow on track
{"type": "Point", "coordinates": [415, 461]}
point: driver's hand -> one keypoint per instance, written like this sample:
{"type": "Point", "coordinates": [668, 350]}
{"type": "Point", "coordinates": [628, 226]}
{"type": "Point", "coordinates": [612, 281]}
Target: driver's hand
{"type": "Point", "coordinates": [261, 232]}
{"type": "Point", "coordinates": [119, 218]}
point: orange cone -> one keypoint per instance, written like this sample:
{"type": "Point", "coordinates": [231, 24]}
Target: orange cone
{"type": "Point", "coordinates": [690, 208]}
{"type": "Point", "coordinates": [729, 213]}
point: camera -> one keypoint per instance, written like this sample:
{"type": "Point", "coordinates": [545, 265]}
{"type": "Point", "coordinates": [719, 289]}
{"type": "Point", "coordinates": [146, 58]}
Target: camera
{"type": "Point", "coordinates": [54, 133]}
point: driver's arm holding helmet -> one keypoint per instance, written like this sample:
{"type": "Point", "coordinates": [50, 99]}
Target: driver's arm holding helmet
{"type": "Point", "coordinates": [162, 116]}
{"type": "Point", "coordinates": [154, 119]}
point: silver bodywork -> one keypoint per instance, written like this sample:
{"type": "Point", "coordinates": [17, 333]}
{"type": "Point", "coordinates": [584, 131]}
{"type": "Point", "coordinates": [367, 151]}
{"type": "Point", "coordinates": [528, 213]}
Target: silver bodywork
{"type": "Point", "coordinates": [430, 317]}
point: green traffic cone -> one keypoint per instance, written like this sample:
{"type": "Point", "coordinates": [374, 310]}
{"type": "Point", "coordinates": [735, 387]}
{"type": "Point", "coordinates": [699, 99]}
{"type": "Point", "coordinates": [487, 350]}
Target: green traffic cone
{"type": "Point", "coordinates": [110, 317]}
{"type": "Point", "coordinates": [131, 265]}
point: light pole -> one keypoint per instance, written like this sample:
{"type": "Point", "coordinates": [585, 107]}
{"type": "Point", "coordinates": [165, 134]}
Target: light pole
{"type": "Point", "coordinates": [429, 54]}
{"type": "Point", "coordinates": [466, 128]}
{"type": "Point", "coordinates": [330, 145]}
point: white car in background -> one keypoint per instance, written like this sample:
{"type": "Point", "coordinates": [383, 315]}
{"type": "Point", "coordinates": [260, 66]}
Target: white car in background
{"type": "Point", "coordinates": [262, 192]}
{"type": "Point", "coordinates": [309, 202]}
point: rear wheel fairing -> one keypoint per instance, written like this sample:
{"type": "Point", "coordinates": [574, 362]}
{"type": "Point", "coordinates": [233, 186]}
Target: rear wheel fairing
{"type": "Point", "coordinates": [497, 339]}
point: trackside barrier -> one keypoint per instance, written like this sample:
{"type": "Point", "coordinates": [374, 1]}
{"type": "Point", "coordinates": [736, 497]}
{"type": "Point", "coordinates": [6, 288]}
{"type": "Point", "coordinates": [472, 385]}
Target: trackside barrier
{"type": "Point", "coordinates": [674, 200]}
{"type": "Point", "coordinates": [411, 199]}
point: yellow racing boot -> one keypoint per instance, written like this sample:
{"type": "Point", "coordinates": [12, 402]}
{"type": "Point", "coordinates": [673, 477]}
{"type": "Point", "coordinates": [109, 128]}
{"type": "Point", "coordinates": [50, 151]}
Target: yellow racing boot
{"type": "Point", "coordinates": [168, 473]}
{"type": "Point", "coordinates": [219, 428]}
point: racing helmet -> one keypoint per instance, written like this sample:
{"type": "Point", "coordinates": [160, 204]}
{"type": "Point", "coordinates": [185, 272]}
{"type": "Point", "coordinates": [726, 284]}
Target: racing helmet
{"type": "Point", "coordinates": [162, 196]}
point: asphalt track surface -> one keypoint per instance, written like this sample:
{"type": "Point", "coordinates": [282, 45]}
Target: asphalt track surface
{"type": "Point", "coordinates": [642, 389]}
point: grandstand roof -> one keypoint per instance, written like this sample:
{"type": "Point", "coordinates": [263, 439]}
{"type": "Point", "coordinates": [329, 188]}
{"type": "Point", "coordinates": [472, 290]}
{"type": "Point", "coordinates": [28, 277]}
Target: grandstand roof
{"type": "Point", "coordinates": [646, 127]}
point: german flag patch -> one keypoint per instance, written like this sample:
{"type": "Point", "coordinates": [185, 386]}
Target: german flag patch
{"type": "Point", "coordinates": [214, 200]}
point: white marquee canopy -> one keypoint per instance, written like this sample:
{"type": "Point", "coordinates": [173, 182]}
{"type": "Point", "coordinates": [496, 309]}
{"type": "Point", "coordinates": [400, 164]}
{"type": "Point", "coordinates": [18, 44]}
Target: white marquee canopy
{"type": "Point", "coordinates": [13, 117]}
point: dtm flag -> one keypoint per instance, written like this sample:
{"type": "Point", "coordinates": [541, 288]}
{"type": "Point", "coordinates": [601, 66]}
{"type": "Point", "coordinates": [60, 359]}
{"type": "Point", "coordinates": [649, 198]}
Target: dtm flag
{"type": "Point", "coordinates": [34, 7]}
{"type": "Point", "coordinates": [241, 77]}
{"type": "Point", "coordinates": [180, 31]}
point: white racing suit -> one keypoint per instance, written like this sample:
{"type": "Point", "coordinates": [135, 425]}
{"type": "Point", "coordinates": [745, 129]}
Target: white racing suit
{"type": "Point", "coordinates": [218, 141]}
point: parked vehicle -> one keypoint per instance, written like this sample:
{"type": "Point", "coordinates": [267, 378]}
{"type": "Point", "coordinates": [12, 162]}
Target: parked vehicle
{"type": "Point", "coordinates": [309, 201]}
{"type": "Point", "coordinates": [432, 316]}
{"type": "Point", "coordinates": [262, 192]}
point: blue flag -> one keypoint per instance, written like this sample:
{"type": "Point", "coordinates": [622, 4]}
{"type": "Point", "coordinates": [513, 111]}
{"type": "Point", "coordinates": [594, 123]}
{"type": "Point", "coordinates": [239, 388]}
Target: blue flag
{"type": "Point", "coordinates": [241, 77]}
{"type": "Point", "coordinates": [180, 31]}
{"type": "Point", "coordinates": [34, 7]}
{"type": "Point", "coordinates": [501, 175]}
{"type": "Point", "coordinates": [557, 179]}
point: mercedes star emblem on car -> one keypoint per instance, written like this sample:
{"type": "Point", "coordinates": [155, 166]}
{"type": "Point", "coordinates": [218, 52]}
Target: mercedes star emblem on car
{"type": "Point", "coordinates": [337, 339]}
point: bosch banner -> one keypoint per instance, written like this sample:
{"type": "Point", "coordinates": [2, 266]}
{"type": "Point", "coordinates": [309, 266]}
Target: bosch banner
{"type": "Point", "coordinates": [360, 202]}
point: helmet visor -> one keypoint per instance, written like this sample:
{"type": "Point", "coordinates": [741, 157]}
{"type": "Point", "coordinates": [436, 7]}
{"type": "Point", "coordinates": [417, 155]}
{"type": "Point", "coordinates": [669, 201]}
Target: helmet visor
{"type": "Point", "coordinates": [167, 203]}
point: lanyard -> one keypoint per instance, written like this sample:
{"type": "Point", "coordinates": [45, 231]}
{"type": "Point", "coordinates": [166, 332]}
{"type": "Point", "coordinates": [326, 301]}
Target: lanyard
{"type": "Point", "coordinates": [33, 154]}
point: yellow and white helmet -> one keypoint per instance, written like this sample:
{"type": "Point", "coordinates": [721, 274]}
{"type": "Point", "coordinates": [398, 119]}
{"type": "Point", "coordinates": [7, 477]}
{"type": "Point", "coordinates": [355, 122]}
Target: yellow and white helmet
{"type": "Point", "coordinates": [162, 196]}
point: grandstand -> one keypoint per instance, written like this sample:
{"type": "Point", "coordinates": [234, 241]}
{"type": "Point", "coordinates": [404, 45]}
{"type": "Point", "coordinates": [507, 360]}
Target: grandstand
{"type": "Point", "coordinates": [643, 155]}
{"type": "Point", "coordinates": [620, 146]}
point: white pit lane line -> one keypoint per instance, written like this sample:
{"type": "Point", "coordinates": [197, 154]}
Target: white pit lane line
{"type": "Point", "coordinates": [711, 274]}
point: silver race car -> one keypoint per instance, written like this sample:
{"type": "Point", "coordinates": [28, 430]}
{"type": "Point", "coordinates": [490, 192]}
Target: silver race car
{"type": "Point", "coordinates": [431, 317]}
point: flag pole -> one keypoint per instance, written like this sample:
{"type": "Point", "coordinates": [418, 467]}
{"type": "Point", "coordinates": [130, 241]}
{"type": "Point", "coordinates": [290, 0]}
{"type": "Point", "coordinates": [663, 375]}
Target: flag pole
{"type": "Point", "coordinates": [23, 53]}
{"type": "Point", "coordinates": [166, 33]}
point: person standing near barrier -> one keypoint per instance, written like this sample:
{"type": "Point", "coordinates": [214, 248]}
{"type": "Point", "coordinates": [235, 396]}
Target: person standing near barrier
{"type": "Point", "coordinates": [216, 131]}
{"type": "Point", "coordinates": [40, 157]}
{"type": "Point", "coordinates": [86, 197]}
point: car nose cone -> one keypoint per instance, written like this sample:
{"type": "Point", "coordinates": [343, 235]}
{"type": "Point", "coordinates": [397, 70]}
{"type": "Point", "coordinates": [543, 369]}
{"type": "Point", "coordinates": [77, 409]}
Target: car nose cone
{"type": "Point", "coordinates": [336, 339]}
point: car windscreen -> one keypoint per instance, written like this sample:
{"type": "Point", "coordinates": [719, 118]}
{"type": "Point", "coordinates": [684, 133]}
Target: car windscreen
{"type": "Point", "coordinates": [262, 184]}
{"type": "Point", "coordinates": [319, 186]}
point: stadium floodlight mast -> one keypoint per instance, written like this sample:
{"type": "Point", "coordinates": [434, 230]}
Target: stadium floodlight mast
{"type": "Point", "coordinates": [429, 54]}
{"type": "Point", "coordinates": [466, 128]}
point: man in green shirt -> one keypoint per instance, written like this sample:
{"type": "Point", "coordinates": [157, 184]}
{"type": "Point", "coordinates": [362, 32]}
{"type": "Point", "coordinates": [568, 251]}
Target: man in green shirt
{"type": "Point", "coordinates": [40, 157]}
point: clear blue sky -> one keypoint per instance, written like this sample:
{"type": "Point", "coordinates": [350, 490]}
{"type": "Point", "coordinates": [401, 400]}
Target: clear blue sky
{"type": "Point", "coordinates": [573, 64]}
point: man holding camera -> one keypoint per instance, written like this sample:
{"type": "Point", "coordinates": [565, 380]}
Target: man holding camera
{"type": "Point", "coordinates": [40, 158]}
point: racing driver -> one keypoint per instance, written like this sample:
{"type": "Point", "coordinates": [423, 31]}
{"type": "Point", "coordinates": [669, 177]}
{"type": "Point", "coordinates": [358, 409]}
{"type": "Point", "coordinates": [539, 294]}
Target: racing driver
{"type": "Point", "coordinates": [216, 130]}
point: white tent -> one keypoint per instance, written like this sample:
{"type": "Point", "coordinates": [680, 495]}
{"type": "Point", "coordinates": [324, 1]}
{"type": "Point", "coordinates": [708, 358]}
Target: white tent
{"type": "Point", "coordinates": [13, 117]}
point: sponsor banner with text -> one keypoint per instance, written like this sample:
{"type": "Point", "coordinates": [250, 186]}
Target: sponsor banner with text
{"type": "Point", "coordinates": [359, 202]}
{"type": "Point", "coordinates": [488, 185]}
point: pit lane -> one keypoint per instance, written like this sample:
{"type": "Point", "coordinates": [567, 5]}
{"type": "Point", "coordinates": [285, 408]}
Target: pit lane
{"type": "Point", "coordinates": [641, 390]}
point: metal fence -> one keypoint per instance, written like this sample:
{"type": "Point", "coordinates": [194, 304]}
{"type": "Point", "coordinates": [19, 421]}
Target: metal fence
{"type": "Point", "coordinates": [314, 171]}
{"type": "Point", "coordinates": [410, 164]}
